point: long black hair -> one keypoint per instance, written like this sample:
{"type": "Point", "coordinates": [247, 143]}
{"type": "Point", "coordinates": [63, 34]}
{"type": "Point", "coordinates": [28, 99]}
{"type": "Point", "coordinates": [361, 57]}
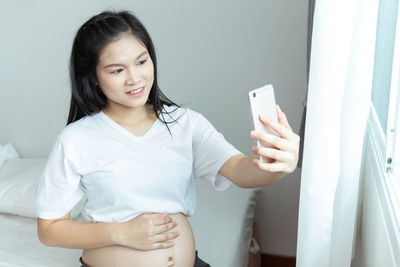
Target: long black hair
{"type": "Point", "coordinates": [87, 98]}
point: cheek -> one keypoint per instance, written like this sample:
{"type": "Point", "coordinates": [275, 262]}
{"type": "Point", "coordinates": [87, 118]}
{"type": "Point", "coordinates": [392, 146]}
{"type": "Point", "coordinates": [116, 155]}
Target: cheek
{"type": "Point", "coordinates": [149, 72]}
{"type": "Point", "coordinates": [109, 84]}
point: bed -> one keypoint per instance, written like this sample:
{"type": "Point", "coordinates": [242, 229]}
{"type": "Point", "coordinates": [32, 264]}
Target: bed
{"type": "Point", "coordinates": [222, 224]}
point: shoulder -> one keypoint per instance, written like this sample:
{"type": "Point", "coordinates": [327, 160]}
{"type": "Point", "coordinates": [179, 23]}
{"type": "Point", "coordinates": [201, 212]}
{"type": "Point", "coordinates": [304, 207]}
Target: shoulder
{"type": "Point", "coordinates": [78, 129]}
{"type": "Point", "coordinates": [191, 121]}
{"type": "Point", "coordinates": [180, 113]}
{"type": "Point", "coordinates": [186, 118]}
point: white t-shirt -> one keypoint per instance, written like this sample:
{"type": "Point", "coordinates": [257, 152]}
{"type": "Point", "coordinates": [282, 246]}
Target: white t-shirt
{"type": "Point", "coordinates": [124, 175]}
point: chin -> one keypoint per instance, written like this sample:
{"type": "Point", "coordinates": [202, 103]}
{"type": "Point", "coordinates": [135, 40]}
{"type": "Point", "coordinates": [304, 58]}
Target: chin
{"type": "Point", "coordinates": [138, 104]}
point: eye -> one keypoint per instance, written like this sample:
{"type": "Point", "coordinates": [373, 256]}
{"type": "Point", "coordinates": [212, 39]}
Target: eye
{"type": "Point", "coordinates": [116, 71]}
{"type": "Point", "coordinates": [142, 62]}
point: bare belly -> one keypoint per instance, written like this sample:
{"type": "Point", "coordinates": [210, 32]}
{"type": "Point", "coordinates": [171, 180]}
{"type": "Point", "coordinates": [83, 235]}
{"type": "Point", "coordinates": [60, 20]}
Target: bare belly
{"type": "Point", "coordinates": [183, 252]}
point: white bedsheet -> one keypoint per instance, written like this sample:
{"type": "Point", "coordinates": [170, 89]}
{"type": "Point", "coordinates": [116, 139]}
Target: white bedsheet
{"type": "Point", "coordinates": [221, 225]}
{"type": "Point", "coordinates": [19, 246]}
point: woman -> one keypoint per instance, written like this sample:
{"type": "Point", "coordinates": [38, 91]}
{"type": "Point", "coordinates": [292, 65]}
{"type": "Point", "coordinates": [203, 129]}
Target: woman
{"type": "Point", "coordinates": [134, 153]}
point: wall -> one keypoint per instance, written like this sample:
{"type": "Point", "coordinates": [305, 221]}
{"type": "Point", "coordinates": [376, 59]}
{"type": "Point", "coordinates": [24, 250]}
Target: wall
{"type": "Point", "coordinates": [210, 54]}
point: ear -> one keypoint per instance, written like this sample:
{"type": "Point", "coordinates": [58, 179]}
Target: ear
{"type": "Point", "coordinates": [95, 81]}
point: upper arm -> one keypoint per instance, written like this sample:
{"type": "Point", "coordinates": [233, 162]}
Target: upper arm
{"type": "Point", "coordinates": [210, 152]}
{"type": "Point", "coordinates": [60, 187]}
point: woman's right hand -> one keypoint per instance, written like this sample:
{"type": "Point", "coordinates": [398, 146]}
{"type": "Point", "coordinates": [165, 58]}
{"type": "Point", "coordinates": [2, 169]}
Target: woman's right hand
{"type": "Point", "coordinates": [147, 232]}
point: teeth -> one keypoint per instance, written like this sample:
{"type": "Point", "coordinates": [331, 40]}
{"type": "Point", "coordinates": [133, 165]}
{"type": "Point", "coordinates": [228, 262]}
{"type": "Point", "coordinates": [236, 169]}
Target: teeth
{"type": "Point", "coordinates": [135, 91]}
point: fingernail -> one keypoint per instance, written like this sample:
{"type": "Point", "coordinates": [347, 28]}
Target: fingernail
{"type": "Point", "coordinates": [253, 134]}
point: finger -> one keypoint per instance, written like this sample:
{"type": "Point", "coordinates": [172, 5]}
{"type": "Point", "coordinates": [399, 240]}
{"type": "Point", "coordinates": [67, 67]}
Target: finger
{"type": "Point", "coordinates": [270, 153]}
{"type": "Point", "coordinates": [270, 167]}
{"type": "Point", "coordinates": [164, 227]}
{"type": "Point", "coordinates": [282, 117]}
{"type": "Point", "coordinates": [276, 126]}
{"type": "Point", "coordinates": [159, 218]}
{"type": "Point", "coordinates": [162, 245]}
{"type": "Point", "coordinates": [164, 237]}
{"type": "Point", "coordinates": [271, 139]}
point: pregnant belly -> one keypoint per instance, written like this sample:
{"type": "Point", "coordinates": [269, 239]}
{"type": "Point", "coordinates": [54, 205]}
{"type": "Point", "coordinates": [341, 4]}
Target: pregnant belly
{"type": "Point", "coordinates": [183, 252]}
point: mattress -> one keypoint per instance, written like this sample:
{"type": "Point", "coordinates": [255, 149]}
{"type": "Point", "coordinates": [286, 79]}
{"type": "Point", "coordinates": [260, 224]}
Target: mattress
{"type": "Point", "coordinates": [222, 226]}
{"type": "Point", "coordinates": [19, 246]}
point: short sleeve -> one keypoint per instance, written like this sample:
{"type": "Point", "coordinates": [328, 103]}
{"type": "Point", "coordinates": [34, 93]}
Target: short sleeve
{"type": "Point", "coordinates": [210, 152]}
{"type": "Point", "coordinates": [60, 185]}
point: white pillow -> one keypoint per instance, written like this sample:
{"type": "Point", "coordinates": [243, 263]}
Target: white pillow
{"type": "Point", "coordinates": [19, 179]}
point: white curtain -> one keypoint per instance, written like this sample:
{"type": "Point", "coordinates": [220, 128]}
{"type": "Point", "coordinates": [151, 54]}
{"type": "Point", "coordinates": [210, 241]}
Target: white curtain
{"type": "Point", "coordinates": [341, 70]}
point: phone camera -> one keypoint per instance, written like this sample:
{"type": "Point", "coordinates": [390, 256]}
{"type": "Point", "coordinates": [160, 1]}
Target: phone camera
{"type": "Point", "coordinates": [254, 94]}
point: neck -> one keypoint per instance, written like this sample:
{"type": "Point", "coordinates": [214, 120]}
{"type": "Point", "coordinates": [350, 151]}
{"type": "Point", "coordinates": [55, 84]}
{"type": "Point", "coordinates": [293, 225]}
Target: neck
{"type": "Point", "coordinates": [129, 116]}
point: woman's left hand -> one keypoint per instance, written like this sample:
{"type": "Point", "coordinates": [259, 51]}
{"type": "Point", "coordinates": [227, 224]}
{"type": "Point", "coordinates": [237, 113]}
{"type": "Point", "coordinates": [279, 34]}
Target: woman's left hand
{"type": "Point", "coordinates": [279, 153]}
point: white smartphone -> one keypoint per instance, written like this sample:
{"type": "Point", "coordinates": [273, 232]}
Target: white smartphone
{"type": "Point", "coordinates": [262, 102]}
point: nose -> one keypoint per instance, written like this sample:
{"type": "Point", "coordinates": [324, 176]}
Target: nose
{"type": "Point", "coordinates": [133, 77]}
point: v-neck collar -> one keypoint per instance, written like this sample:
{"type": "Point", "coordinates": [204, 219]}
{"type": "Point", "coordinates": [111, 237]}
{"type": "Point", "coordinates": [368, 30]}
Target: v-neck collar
{"type": "Point", "coordinates": [124, 131]}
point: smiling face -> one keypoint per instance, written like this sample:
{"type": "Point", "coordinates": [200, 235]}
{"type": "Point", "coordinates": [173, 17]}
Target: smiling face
{"type": "Point", "coordinates": [125, 73]}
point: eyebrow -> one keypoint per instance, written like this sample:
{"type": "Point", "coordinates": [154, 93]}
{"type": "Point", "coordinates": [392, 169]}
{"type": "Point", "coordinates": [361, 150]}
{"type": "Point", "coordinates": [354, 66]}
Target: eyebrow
{"type": "Point", "coordinates": [118, 65]}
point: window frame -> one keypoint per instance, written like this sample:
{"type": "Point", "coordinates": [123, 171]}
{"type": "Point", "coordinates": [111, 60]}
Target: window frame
{"type": "Point", "coordinates": [386, 149]}
{"type": "Point", "coordinates": [392, 142]}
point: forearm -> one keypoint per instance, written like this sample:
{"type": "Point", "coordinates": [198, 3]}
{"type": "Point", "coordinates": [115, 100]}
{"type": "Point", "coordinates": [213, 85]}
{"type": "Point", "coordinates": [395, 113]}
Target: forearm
{"type": "Point", "coordinates": [77, 235]}
{"type": "Point", "coordinates": [244, 173]}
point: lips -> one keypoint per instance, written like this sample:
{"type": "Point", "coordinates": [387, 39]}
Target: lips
{"type": "Point", "coordinates": [135, 91]}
